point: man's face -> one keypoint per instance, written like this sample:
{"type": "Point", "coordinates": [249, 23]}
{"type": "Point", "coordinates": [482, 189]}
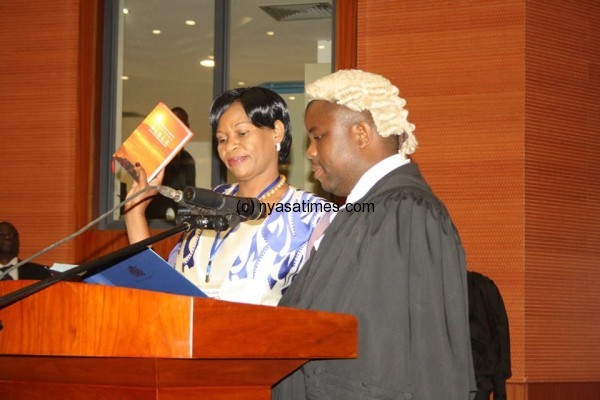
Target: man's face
{"type": "Point", "coordinates": [332, 148]}
{"type": "Point", "coordinates": [9, 240]}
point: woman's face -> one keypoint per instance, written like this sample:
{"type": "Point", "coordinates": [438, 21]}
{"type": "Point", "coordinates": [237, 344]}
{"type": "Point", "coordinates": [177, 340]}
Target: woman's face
{"type": "Point", "coordinates": [247, 151]}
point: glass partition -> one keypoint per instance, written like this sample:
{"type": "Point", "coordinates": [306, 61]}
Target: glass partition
{"type": "Point", "coordinates": [184, 52]}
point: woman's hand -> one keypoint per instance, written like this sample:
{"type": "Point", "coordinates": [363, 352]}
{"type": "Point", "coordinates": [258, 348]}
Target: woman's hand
{"type": "Point", "coordinates": [140, 203]}
{"type": "Point", "coordinates": [135, 209]}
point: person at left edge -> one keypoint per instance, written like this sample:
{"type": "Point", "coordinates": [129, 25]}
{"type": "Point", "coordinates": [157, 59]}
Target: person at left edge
{"type": "Point", "coordinates": [256, 261]}
{"type": "Point", "coordinates": [9, 256]}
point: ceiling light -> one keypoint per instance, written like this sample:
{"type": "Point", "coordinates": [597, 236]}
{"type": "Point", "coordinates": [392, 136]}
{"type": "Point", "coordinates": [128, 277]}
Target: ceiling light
{"type": "Point", "coordinates": [270, 33]}
{"type": "Point", "coordinates": [246, 21]}
{"type": "Point", "coordinates": [292, 97]}
{"type": "Point", "coordinates": [207, 63]}
{"type": "Point", "coordinates": [126, 11]}
{"type": "Point", "coordinates": [242, 83]}
{"type": "Point", "coordinates": [190, 22]}
{"type": "Point", "coordinates": [125, 78]}
{"type": "Point", "coordinates": [321, 46]}
{"type": "Point", "coordinates": [211, 57]}
{"type": "Point", "coordinates": [156, 31]}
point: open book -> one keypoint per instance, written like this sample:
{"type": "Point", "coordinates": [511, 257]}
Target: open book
{"type": "Point", "coordinates": [154, 143]}
{"type": "Point", "coordinates": [149, 271]}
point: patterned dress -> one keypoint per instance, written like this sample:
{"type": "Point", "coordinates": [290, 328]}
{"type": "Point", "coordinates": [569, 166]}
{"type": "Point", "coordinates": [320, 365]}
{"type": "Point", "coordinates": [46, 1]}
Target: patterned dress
{"type": "Point", "coordinates": [256, 261]}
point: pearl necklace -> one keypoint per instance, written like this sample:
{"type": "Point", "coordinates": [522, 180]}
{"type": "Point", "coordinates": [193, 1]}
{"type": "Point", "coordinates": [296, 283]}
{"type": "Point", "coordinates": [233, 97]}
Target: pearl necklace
{"type": "Point", "coordinates": [279, 185]}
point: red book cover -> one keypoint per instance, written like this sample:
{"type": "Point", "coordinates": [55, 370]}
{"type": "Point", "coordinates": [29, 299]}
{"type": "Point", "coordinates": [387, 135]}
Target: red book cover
{"type": "Point", "coordinates": [154, 143]}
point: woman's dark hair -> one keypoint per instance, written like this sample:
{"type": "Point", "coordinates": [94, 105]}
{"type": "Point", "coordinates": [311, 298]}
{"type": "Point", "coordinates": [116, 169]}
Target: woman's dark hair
{"type": "Point", "coordinates": [263, 107]}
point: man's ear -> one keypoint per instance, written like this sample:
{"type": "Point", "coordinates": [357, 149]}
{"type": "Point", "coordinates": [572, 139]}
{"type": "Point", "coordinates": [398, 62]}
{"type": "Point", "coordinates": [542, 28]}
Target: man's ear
{"type": "Point", "coordinates": [363, 133]}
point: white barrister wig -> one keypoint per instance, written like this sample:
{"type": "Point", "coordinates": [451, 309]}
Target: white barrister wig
{"type": "Point", "coordinates": [359, 91]}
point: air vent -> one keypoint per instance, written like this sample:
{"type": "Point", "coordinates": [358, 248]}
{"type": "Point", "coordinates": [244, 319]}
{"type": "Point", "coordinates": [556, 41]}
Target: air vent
{"type": "Point", "coordinates": [297, 12]}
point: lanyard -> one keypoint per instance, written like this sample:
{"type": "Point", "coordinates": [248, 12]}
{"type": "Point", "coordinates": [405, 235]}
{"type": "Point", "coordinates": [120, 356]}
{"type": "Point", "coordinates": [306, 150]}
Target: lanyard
{"type": "Point", "coordinates": [218, 243]}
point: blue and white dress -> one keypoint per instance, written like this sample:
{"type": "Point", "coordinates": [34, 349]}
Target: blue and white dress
{"type": "Point", "coordinates": [257, 260]}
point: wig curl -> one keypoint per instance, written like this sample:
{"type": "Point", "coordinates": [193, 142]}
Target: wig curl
{"type": "Point", "coordinates": [365, 91]}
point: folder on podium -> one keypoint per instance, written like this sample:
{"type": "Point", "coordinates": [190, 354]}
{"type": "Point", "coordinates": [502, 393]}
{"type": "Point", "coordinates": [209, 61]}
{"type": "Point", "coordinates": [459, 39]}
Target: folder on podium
{"type": "Point", "coordinates": [75, 340]}
{"type": "Point", "coordinates": [149, 271]}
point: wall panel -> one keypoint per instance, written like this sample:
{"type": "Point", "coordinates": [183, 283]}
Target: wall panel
{"type": "Point", "coordinates": [562, 190]}
{"type": "Point", "coordinates": [504, 95]}
{"type": "Point", "coordinates": [460, 65]}
{"type": "Point", "coordinates": [39, 122]}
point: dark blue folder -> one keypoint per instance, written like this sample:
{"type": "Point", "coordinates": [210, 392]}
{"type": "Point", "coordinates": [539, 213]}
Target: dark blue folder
{"type": "Point", "coordinates": [149, 271]}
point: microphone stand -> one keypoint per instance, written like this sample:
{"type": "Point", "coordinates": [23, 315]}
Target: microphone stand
{"type": "Point", "coordinates": [215, 222]}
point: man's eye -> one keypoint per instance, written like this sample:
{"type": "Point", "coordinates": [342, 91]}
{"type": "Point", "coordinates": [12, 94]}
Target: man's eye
{"type": "Point", "coordinates": [242, 133]}
{"type": "Point", "coordinates": [221, 140]}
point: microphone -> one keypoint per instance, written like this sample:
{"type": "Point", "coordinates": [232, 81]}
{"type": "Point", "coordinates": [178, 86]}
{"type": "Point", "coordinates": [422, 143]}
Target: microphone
{"type": "Point", "coordinates": [245, 207]}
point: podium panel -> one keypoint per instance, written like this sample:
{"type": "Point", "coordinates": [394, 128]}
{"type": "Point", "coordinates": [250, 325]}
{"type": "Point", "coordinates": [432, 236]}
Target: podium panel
{"type": "Point", "coordinates": [77, 340]}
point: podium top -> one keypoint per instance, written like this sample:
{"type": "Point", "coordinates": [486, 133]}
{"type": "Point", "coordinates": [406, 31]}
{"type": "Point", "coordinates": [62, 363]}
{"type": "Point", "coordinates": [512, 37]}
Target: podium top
{"type": "Point", "coordinates": [85, 320]}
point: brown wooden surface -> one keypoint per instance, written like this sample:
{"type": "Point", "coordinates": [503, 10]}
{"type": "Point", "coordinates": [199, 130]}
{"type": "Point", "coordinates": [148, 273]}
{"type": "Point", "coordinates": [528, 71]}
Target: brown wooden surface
{"type": "Point", "coordinates": [146, 372]}
{"type": "Point", "coordinates": [562, 194]}
{"type": "Point", "coordinates": [346, 16]}
{"type": "Point", "coordinates": [491, 86]}
{"type": "Point", "coordinates": [260, 332]}
{"type": "Point", "coordinates": [88, 320]}
{"type": "Point", "coordinates": [77, 391]}
{"type": "Point", "coordinates": [79, 319]}
{"type": "Point", "coordinates": [461, 69]}
{"type": "Point", "coordinates": [72, 336]}
{"type": "Point", "coordinates": [39, 122]}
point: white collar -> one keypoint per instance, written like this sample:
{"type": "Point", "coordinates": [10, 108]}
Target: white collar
{"type": "Point", "coordinates": [367, 181]}
{"type": "Point", "coordinates": [374, 175]}
{"type": "Point", "coordinates": [14, 261]}
{"type": "Point", "coordinates": [14, 273]}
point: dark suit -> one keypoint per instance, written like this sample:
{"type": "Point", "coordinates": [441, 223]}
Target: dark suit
{"type": "Point", "coordinates": [31, 271]}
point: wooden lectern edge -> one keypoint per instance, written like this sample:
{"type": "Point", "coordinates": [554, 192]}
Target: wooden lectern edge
{"type": "Point", "coordinates": [77, 340]}
{"type": "Point", "coordinates": [85, 320]}
{"type": "Point", "coordinates": [252, 329]}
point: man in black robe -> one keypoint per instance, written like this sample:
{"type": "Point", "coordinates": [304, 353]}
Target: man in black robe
{"type": "Point", "coordinates": [398, 267]}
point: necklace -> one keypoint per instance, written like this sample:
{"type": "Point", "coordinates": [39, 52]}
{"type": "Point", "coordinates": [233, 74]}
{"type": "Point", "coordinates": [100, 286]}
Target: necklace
{"type": "Point", "coordinates": [272, 188]}
{"type": "Point", "coordinates": [269, 191]}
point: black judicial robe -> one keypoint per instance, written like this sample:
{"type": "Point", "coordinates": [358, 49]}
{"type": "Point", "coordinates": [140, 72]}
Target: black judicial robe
{"type": "Point", "coordinates": [490, 336]}
{"type": "Point", "coordinates": [400, 269]}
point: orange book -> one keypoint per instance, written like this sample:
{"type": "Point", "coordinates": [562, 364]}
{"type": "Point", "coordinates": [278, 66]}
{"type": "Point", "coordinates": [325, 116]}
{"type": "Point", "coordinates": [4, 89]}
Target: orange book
{"type": "Point", "coordinates": [154, 143]}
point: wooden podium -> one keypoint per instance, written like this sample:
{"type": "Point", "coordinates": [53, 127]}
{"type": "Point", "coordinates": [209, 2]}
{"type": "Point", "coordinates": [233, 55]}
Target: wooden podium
{"type": "Point", "coordinates": [84, 341]}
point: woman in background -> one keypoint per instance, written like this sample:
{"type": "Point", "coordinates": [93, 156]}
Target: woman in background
{"type": "Point", "coordinates": [255, 261]}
